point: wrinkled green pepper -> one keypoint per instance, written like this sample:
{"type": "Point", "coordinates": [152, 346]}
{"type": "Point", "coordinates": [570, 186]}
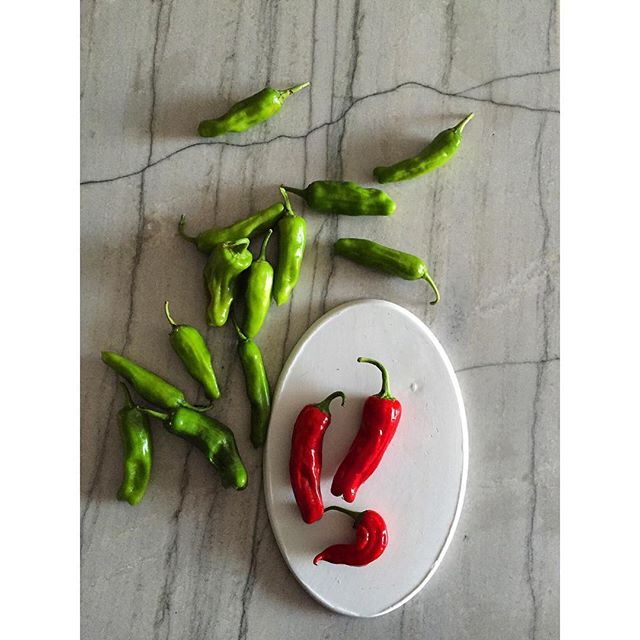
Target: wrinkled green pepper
{"type": "Point", "coordinates": [226, 262]}
{"type": "Point", "coordinates": [386, 260]}
{"type": "Point", "coordinates": [438, 152]}
{"type": "Point", "coordinates": [247, 228]}
{"type": "Point", "coordinates": [248, 112]}
{"type": "Point", "coordinates": [347, 198]}
{"type": "Point", "coordinates": [211, 437]}
{"type": "Point", "coordinates": [292, 230]}
{"type": "Point", "coordinates": [136, 443]}
{"type": "Point", "coordinates": [257, 385]}
{"type": "Point", "coordinates": [192, 349]}
{"type": "Point", "coordinates": [150, 386]}
{"type": "Point", "coordinates": [258, 291]}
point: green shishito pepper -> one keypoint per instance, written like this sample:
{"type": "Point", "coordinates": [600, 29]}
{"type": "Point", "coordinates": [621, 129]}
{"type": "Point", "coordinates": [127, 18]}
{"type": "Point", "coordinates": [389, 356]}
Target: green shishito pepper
{"type": "Point", "coordinates": [247, 228]}
{"type": "Point", "coordinates": [226, 262]}
{"type": "Point", "coordinates": [257, 385]}
{"type": "Point", "coordinates": [292, 230]}
{"type": "Point", "coordinates": [248, 112]}
{"type": "Point", "coordinates": [438, 152]}
{"type": "Point", "coordinates": [386, 260]}
{"type": "Point", "coordinates": [346, 198]}
{"type": "Point", "coordinates": [258, 291]}
{"type": "Point", "coordinates": [191, 348]}
{"type": "Point", "coordinates": [150, 386]}
{"type": "Point", "coordinates": [136, 442]}
{"type": "Point", "coordinates": [211, 437]}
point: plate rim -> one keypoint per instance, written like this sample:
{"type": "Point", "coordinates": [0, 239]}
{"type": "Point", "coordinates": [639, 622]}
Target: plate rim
{"type": "Point", "coordinates": [325, 317]}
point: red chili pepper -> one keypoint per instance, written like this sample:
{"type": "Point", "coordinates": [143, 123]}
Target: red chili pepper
{"type": "Point", "coordinates": [305, 463]}
{"type": "Point", "coordinates": [380, 418]}
{"type": "Point", "coordinates": [371, 540]}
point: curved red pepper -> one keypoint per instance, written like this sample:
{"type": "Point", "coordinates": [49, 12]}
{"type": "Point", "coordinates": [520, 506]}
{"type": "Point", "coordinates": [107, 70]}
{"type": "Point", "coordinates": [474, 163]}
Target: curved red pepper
{"type": "Point", "coordinates": [380, 419]}
{"type": "Point", "coordinates": [305, 463]}
{"type": "Point", "coordinates": [371, 540]}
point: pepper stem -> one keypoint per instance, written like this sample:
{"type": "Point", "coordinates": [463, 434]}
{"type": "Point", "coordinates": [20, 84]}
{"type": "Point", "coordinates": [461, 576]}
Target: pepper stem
{"type": "Point", "coordinates": [288, 211]}
{"type": "Point", "coordinates": [155, 414]}
{"type": "Point", "coordinates": [356, 515]}
{"type": "Point", "coordinates": [198, 407]}
{"type": "Point", "coordinates": [299, 192]}
{"type": "Point", "coordinates": [166, 313]}
{"type": "Point", "coordinates": [295, 88]}
{"type": "Point", "coordinates": [462, 124]}
{"type": "Point", "coordinates": [324, 406]}
{"type": "Point", "coordinates": [263, 248]}
{"type": "Point", "coordinates": [239, 330]}
{"type": "Point", "coordinates": [237, 245]}
{"type": "Point", "coordinates": [385, 392]}
{"type": "Point", "coordinates": [429, 279]}
{"type": "Point", "coordinates": [181, 231]}
{"type": "Point", "coordinates": [127, 393]}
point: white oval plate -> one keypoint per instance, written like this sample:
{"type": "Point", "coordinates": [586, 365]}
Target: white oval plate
{"type": "Point", "coordinates": [418, 487]}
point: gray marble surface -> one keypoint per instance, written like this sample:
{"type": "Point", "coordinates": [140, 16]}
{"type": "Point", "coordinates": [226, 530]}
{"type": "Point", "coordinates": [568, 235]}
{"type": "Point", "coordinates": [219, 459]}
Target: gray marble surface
{"type": "Point", "coordinates": [196, 561]}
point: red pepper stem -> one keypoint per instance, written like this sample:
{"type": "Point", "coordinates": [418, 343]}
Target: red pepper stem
{"type": "Point", "coordinates": [356, 515]}
{"type": "Point", "coordinates": [385, 392]}
{"type": "Point", "coordinates": [166, 313]}
{"type": "Point", "coordinates": [325, 404]}
{"type": "Point", "coordinates": [127, 393]}
{"type": "Point", "coordinates": [263, 249]}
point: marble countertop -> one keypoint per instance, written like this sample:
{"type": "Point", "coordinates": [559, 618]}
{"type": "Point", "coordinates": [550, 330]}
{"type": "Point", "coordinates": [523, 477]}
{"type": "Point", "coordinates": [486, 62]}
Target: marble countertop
{"type": "Point", "coordinates": [194, 560]}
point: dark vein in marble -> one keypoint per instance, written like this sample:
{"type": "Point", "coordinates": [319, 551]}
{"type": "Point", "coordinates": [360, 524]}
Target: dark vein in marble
{"type": "Point", "coordinates": [486, 365]}
{"type": "Point", "coordinates": [87, 66]}
{"type": "Point", "coordinates": [170, 568]}
{"type": "Point", "coordinates": [249, 584]}
{"type": "Point", "coordinates": [97, 473]}
{"type": "Point", "coordinates": [509, 77]}
{"type": "Point", "coordinates": [550, 25]}
{"type": "Point", "coordinates": [445, 79]}
{"type": "Point", "coordinates": [546, 296]}
{"type": "Point", "coordinates": [402, 85]}
{"type": "Point", "coordinates": [137, 256]}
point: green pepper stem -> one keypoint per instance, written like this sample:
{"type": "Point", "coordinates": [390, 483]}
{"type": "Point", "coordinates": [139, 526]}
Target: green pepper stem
{"type": "Point", "coordinates": [166, 313]}
{"type": "Point", "coordinates": [385, 392]}
{"type": "Point", "coordinates": [127, 393]}
{"type": "Point", "coordinates": [299, 192]}
{"type": "Point", "coordinates": [295, 88]}
{"type": "Point", "coordinates": [181, 231]}
{"type": "Point", "coordinates": [356, 515]}
{"type": "Point", "coordinates": [263, 248]}
{"type": "Point", "coordinates": [429, 279]}
{"type": "Point", "coordinates": [288, 211]}
{"type": "Point", "coordinates": [242, 243]}
{"type": "Point", "coordinates": [241, 335]}
{"type": "Point", "coordinates": [324, 406]}
{"type": "Point", "coordinates": [198, 407]}
{"type": "Point", "coordinates": [462, 124]}
{"type": "Point", "coordinates": [153, 413]}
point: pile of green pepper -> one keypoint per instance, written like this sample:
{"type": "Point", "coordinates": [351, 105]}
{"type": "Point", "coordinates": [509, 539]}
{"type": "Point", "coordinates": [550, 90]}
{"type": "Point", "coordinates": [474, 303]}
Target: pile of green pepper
{"type": "Point", "coordinates": [231, 268]}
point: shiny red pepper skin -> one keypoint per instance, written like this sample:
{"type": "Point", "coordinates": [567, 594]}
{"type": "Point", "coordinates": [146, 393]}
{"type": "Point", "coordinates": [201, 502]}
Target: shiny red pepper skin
{"type": "Point", "coordinates": [305, 463]}
{"type": "Point", "coordinates": [371, 541]}
{"type": "Point", "coordinates": [380, 418]}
